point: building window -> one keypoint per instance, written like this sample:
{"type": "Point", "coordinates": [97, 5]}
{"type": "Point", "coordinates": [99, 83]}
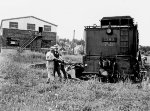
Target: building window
{"type": "Point", "coordinates": [12, 42]}
{"type": "Point", "coordinates": [30, 26]}
{"type": "Point", "coordinates": [47, 28]}
{"type": "Point", "coordinates": [13, 25]}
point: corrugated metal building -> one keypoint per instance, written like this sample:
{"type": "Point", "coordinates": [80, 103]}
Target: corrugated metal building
{"type": "Point", "coordinates": [26, 31]}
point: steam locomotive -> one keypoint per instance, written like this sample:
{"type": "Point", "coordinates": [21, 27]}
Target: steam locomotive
{"type": "Point", "coordinates": [111, 50]}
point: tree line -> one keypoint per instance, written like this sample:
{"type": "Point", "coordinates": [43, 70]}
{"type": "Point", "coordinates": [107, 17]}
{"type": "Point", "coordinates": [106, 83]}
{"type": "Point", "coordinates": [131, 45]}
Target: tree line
{"type": "Point", "coordinates": [71, 44]}
{"type": "Point", "coordinates": [145, 49]}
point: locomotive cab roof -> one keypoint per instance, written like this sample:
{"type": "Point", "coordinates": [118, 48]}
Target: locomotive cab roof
{"type": "Point", "coordinates": [117, 21]}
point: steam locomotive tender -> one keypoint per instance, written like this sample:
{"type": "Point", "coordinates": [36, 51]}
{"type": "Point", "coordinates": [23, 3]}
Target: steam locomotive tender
{"type": "Point", "coordinates": [111, 49]}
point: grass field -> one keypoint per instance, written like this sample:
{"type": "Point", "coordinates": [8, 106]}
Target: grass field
{"type": "Point", "coordinates": [24, 89]}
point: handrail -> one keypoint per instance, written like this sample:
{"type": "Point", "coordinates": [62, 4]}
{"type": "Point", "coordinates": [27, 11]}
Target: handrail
{"type": "Point", "coordinates": [28, 42]}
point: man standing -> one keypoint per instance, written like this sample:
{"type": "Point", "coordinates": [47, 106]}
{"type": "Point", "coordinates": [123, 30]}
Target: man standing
{"type": "Point", "coordinates": [59, 65]}
{"type": "Point", "coordinates": [50, 64]}
{"type": "Point", "coordinates": [56, 62]}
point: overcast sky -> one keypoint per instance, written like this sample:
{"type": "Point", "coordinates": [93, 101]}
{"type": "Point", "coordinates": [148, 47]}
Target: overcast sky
{"type": "Point", "coordinates": [72, 15]}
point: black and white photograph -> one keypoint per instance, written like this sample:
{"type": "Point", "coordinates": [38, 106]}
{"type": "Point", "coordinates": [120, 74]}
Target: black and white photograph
{"type": "Point", "coordinates": [74, 55]}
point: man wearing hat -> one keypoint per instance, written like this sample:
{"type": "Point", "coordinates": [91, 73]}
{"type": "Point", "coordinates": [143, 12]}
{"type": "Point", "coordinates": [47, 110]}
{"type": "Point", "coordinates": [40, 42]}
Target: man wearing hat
{"type": "Point", "coordinates": [59, 64]}
{"type": "Point", "coordinates": [50, 64]}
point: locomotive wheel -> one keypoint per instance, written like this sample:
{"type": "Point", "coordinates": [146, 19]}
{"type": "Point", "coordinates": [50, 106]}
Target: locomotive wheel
{"type": "Point", "coordinates": [135, 70]}
{"type": "Point", "coordinates": [136, 79]}
{"type": "Point", "coordinates": [103, 78]}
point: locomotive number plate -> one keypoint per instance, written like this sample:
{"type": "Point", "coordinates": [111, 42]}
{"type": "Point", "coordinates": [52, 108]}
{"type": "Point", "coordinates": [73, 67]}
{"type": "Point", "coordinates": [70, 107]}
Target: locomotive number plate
{"type": "Point", "coordinates": [109, 39]}
{"type": "Point", "coordinates": [109, 43]}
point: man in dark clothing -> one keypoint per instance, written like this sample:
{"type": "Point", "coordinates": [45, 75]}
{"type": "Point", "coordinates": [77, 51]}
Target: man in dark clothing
{"type": "Point", "coordinates": [57, 66]}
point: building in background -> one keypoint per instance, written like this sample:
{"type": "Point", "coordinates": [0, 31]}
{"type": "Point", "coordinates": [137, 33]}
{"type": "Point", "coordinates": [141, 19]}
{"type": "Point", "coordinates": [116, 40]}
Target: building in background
{"type": "Point", "coordinates": [27, 32]}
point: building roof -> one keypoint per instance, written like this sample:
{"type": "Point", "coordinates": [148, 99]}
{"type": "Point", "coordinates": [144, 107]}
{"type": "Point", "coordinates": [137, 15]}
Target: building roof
{"type": "Point", "coordinates": [30, 17]}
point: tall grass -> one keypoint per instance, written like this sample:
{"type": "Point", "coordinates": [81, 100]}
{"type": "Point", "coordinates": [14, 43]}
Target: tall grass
{"type": "Point", "coordinates": [25, 89]}
{"type": "Point", "coordinates": [82, 96]}
{"type": "Point", "coordinates": [29, 57]}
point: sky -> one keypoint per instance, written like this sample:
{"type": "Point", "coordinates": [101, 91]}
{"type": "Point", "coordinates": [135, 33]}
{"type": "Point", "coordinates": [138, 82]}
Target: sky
{"type": "Point", "coordinates": [72, 15]}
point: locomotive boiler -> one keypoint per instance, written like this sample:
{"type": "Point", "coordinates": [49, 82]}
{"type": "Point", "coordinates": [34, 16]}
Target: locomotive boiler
{"type": "Point", "coordinates": [111, 49]}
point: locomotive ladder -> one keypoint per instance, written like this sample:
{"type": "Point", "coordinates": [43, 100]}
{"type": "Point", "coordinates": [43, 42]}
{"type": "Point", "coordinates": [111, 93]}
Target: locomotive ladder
{"type": "Point", "coordinates": [28, 42]}
{"type": "Point", "coordinates": [124, 41]}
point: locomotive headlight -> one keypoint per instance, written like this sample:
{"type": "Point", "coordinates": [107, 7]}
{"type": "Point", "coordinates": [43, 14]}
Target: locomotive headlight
{"type": "Point", "coordinates": [85, 65]}
{"type": "Point", "coordinates": [109, 31]}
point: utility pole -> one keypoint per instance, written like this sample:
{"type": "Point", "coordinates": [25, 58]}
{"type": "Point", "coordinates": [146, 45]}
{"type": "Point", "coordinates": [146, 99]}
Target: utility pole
{"type": "Point", "coordinates": [73, 40]}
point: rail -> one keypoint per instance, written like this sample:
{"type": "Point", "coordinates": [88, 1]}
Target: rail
{"type": "Point", "coordinates": [28, 42]}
